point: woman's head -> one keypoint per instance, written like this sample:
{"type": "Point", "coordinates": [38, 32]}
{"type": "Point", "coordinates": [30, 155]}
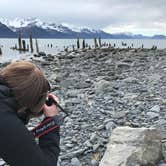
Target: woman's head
{"type": "Point", "coordinates": [27, 83]}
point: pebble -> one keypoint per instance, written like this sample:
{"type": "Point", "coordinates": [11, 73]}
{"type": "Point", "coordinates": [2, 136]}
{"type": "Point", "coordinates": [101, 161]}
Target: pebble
{"type": "Point", "coordinates": [94, 162]}
{"type": "Point", "coordinates": [110, 126]}
{"type": "Point", "coordinates": [163, 164]}
{"type": "Point", "coordinates": [152, 115]}
{"type": "Point", "coordinates": [155, 108]}
{"type": "Point", "coordinates": [93, 137]}
{"type": "Point", "coordinates": [75, 162]}
{"type": "Point", "coordinates": [2, 162]}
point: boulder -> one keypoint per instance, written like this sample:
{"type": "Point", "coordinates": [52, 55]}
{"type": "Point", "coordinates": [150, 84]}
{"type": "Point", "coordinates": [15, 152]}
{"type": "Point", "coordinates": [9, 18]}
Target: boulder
{"type": "Point", "coordinates": [133, 147]}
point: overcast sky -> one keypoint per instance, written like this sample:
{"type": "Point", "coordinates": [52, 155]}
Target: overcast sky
{"type": "Point", "coordinates": [147, 17]}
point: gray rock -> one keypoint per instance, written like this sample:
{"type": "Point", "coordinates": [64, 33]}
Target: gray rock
{"type": "Point", "coordinates": [75, 162]}
{"type": "Point", "coordinates": [123, 66]}
{"type": "Point", "coordinates": [88, 144]}
{"type": "Point", "coordinates": [69, 145]}
{"type": "Point", "coordinates": [93, 137]}
{"type": "Point", "coordinates": [100, 127]}
{"type": "Point", "coordinates": [130, 146]}
{"type": "Point", "coordinates": [131, 80]}
{"type": "Point", "coordinates": [164, 150]}
{"type": "Point", "coordinates": [110, 126]}
{"type": "Point", "coordinates": [2, 162]}
{"type": "Point", "coordinates": [96, 146]}
{"type": "Point", "coordinates": [73, 154]}
{"type": "Point", "coordinates": [163, 164]}
{"type": "Point", "coordinates": [102, 85]}
{"type": "Point", "coordinates": [152, 115]}
{"type": "Point", "coordinates": [94, 162]}
{"type": "Point", "coordinates": [155, 108]}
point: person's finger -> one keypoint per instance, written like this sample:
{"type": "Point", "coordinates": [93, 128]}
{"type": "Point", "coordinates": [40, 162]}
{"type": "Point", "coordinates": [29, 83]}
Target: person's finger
{"type": "Point", "coordinates": [50, 110]}
{"type": "Point", "coordinates": [53, 106]}
{"type": "Point", "coordinates": [54, 97]}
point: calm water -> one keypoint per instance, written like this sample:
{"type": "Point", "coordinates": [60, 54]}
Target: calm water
{"type": "Point", "coordinates": [58, 46]}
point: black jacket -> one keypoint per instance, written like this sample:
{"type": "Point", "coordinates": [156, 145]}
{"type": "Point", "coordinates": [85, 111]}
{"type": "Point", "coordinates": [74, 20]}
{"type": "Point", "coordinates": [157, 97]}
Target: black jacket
{"type": "Point", "coordinates": [17, 143]}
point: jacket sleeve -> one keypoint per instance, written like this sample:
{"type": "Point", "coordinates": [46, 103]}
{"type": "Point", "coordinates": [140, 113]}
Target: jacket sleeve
{"type": "Point", "coordinates": [18, 146]}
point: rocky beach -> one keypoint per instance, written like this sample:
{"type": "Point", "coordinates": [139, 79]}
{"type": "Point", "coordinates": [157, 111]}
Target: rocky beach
{"type": "Point", "coordinates": [103, 89]}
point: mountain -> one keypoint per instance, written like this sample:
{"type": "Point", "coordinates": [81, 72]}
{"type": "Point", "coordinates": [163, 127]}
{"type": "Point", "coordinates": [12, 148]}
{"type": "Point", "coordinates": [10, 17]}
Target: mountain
{"type": "Point", "coordinates": [158, 37]}
{"type": "Point", "coordinates": [40, 29]}
{"type": "Point", "coordinates": [6, 32]}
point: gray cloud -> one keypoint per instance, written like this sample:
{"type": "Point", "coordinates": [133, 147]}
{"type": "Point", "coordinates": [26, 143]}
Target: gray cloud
{"type": "Point", "coordinates": [147, 16]}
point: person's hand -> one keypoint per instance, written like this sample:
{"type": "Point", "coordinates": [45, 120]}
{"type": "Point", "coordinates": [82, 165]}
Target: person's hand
{"type": "Point", "coordinates": [50, 111]}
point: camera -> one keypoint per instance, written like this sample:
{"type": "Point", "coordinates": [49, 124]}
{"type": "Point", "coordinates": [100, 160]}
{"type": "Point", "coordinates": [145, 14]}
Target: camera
{"type": "Point", "coordinates": [51, 101]}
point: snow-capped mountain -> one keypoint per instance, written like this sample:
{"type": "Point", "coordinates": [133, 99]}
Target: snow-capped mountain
{"type": "Point", "coordinates": [18, 23]}
{"type": "Point", "coordinates": [40, 29]}
{"type": "Point", "coordinates": [51, 30]}
{"type": "Point", "coordinates": [21, 22]}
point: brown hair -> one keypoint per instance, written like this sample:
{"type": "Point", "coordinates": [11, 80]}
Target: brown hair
{"type": "Point", "coordinates": [27, 83]}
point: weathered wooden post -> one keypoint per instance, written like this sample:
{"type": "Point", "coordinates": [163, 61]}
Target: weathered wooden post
{"type": "Point", "coordinates": [83, 44]}
{"type": "Point", "coordinates": [142, 46]}
{"type": "Point", "coordinates": [78, 43]}
{"type": "Point", "coordinates": [95, 42]}
{"type": "Point", "coordinates": [100, 42]}
{"type": "Point", "coordinates": [15, 47]}
{"type": "Point", "coordinates": [66, 49]}
{"type": "Point", "coordinates": [0, 51]}
{"type": "Point", "coordinates": [31, 42]}
{"type": "Point", "coordinates": [19, 42]}
{"type": "Point", "coordinates": [73, 47]}
{"type": "Point", "coordinates": [86, 45]}
{"type": "Point", "coordinates": [23, 45]}
{"type": "Point", "coordinates": [27, 47]}
{"type": "Point", "coordinates": [37, 47]}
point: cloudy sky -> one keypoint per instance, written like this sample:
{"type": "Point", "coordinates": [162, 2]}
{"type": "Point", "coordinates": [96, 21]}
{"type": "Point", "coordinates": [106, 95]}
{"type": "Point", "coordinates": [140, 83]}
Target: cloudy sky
{"type": "Point", "coordinates": [147, 17]}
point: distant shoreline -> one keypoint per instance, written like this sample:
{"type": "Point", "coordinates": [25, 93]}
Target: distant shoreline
{"type": "Point", "coordinates": [88, 38]}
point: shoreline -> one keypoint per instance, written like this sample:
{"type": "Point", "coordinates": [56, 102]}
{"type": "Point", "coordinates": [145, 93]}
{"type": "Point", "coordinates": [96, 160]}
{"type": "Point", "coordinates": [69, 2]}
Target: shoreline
{"type": "Point", "coordinates": [103, 89]}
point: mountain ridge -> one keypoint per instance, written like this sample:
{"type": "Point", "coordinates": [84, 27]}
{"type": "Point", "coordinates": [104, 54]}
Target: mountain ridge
{"type": "Point", "coordinates": [40, 29]}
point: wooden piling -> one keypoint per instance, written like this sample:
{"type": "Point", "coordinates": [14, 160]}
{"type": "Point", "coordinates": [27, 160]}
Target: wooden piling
{"type": "Point", "coordinates": [19, 42]}
{"type": "Point", "coordinates": [100, 42]}
{"type": "Point", "coordinates": [78, 43]}
{"type": "Point", "coordinates": [83, 44]}
{"type": "Point", "coordinates": [73, 48]}
{"type": "Point", "coordinates": [86, 45]}
{"type": "Point", "coordinates": [15, 47]}
{"type": "Point", "coordinates": [31, 42]}
{"type": "Point", "coordinates": [66, 49]}
{"type": "Point", "coordinates": [27, 47]}
{"type": "Point", "coordinates": [23, 45]}
{"type": "Point", "coordinates": [95, 43]}
{"type": "Point", "coordinates": [0, 51]}
{"type": "Point", "coordinates": [37, 47]}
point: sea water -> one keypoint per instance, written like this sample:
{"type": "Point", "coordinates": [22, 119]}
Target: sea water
{"type": "Point", "coordinates": [58, 45]}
